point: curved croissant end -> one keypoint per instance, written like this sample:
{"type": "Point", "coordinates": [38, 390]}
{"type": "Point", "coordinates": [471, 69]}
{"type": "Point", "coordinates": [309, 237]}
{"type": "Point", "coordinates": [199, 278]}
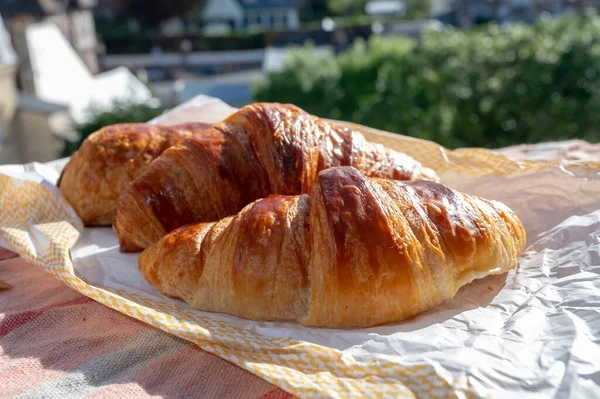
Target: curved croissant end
{"type": "Point", "coordinates": [357, 252]}
{"type": "Point", "coordinates": [111, 158]}
{"type": "Point", "coordinates": [262, 149]}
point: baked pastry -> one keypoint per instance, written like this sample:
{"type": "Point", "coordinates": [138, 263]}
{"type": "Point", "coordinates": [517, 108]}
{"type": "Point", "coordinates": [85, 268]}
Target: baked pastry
{"type": "Point", "coordinates": [262, 149]}
{"type": "Point", "coordinates": [111, 158]}
{"type": "Point", "coordinates": [356, 252]}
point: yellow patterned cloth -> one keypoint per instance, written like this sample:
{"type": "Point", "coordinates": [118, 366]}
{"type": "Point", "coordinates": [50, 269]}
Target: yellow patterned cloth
{"type": "Point", "coordinates": [39, 224]}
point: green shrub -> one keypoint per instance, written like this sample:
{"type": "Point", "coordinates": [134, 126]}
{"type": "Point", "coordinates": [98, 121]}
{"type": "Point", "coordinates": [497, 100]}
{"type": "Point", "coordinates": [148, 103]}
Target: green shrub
{"type": "Point", "coordinates": [488, 87]}
{"type": "Point", "coordinates": [122, 113]}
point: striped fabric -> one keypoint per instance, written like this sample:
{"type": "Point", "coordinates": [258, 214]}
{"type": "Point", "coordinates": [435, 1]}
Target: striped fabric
{"type": "Point", "coordinates": [56, 343]}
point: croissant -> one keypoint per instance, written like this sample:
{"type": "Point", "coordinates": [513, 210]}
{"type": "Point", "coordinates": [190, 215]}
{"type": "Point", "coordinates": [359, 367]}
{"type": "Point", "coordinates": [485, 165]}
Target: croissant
{"type": "Point", "coordinates": [111, 158]}
{"type": "Point", "coordinates": [356, 252]}
{"type": "Point", "coordinates": [262, 149]}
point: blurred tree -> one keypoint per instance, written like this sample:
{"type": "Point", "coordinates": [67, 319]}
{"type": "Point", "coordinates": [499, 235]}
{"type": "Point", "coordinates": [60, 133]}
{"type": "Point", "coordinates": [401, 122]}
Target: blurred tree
{"type": "Point", "coordinates": [347, 7]}
{"type": "Point", "coordinates": [417, 8]}
{"type": "Point", "coordinates": [150, 13]}
{"type": "Point", "coordinates": [487, 87]}
{"type": "Point", "coordinates": [414, 8]}
{"type": "Point", "coordinates": [312, 10]}
{"type": "Point", "coordinates": [122, 113]}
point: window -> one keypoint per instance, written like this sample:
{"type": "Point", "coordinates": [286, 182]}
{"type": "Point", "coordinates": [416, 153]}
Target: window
{"type": "Point", "coordinates": [252, 21]}
{"type": "Point", "coordinates": [280, 19]}
{"type": "Point", "coordinates": [285, 19]}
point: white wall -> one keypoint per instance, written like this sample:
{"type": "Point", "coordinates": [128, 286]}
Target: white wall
{"type": "Point", "coordinates": [293, 20]}
{"type": "Point", "coordinates": [222, 9]}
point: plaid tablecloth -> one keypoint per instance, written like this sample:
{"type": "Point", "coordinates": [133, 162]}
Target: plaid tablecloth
{"type": "Point", "coordinates": [56, 343]}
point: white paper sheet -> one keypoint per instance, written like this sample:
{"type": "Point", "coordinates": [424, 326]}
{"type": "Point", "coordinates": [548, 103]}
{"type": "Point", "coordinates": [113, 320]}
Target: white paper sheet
{"type": "Point", "coordinates": [534, 331]}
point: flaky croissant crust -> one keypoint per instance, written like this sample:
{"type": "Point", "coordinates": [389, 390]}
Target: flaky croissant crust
{"type": "Point", "coordinates": [356, 252]}
{"type": "Point", "coordinates": [262, 149]}
{"type": "Point", "coordinates": [109, 160]}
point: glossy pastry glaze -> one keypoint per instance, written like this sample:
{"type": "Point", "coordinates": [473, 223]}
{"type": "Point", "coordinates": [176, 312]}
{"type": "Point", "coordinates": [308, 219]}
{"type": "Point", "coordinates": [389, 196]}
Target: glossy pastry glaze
{"type": "Point", "coordinates": [263, 149]}
{"type": "Point", "coordinates": [111, 158]}
{"type": "Point", "coordinates": [356, 252]}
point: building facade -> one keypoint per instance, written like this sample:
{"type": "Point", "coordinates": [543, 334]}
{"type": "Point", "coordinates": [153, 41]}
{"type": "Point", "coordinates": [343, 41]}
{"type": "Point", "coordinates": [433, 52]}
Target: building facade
{"type": "Point", "coordinates": [74, 18]}
{"type": "Point", "coordinates": [220, 16]}
{"type": "Point", "coordinates": [30, 129]}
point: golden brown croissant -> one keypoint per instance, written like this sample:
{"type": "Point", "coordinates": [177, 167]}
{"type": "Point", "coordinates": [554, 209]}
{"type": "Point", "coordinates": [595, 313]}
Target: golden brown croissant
{"type": "Point", "coordinates": [111, 158]}
{"type": "Point", "coordinates": [357, 252]}
{"type": "Point", "coordinates": [262, 149]}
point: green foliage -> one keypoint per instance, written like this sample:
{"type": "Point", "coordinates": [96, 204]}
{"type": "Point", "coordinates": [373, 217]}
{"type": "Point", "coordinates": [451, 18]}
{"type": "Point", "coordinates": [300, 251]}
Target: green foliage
{"type": "Point", "coordinates": [414, 8]}
{"type": "Point", "coordinates": [313, 10]}
{"type": "Point", "coordinates": [417, 8]}
{"type": "Point", "coordinates": [122, 113]}
{"type": "Point", "coordinates": [489, 87]}
{"type": "Point", "coordinates": [347, 7]}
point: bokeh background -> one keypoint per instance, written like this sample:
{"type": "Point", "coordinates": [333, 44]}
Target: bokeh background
{"type": "Point", "coordinates": [464, 73]}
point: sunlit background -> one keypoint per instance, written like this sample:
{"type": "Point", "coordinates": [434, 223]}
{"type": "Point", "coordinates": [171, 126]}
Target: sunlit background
{"type": "Point", "coordinates": [485, 73]}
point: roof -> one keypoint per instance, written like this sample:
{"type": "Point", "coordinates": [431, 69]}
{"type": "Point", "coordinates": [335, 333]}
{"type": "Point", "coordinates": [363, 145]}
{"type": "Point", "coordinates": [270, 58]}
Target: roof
{"type": "Point", "coordinates": [54, 62]}
{"type": "Point", "coordinates": [267, 4]}
{"type": "Point", "coordinates": [7, 52]}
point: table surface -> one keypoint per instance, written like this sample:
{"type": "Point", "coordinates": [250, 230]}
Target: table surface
{"type": "Point", "coordinates": [57, 343]}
